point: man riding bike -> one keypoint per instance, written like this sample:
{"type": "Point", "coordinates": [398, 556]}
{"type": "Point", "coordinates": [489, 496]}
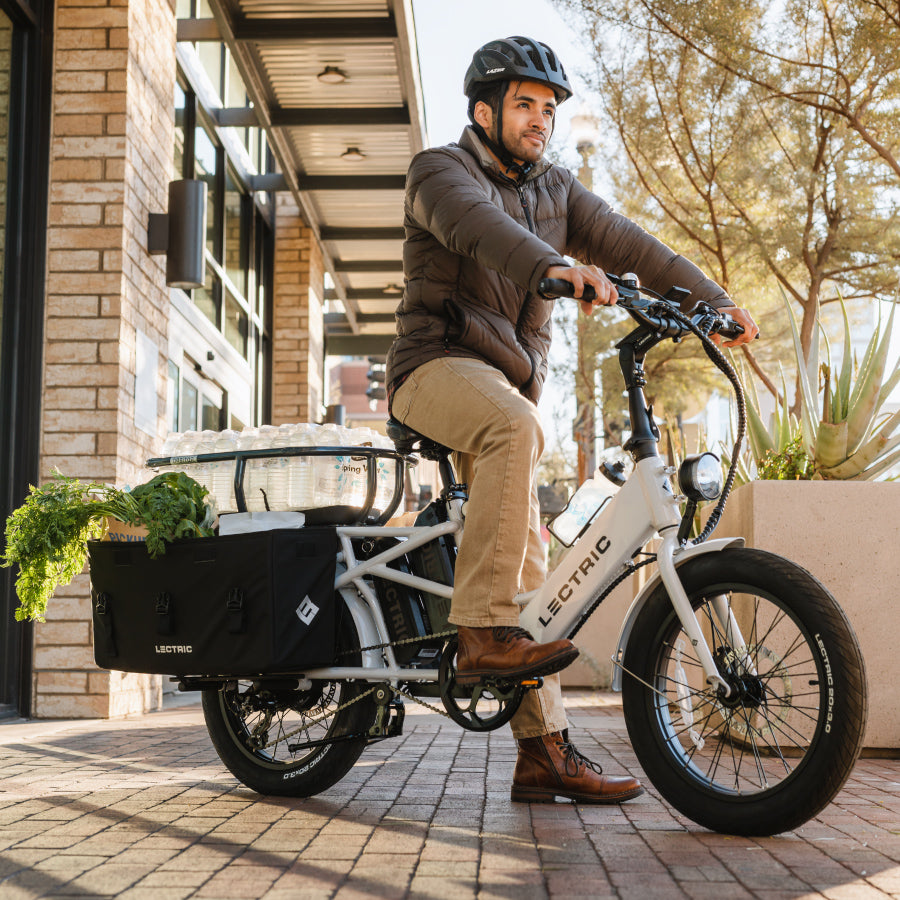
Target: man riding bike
{"type": "Point", "coordinates": [486, 220]}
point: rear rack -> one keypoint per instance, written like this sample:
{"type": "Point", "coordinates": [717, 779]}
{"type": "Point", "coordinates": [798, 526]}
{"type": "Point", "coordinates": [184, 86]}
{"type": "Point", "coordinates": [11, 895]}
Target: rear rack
{"type": "Point", "coordinates": [337, 515]}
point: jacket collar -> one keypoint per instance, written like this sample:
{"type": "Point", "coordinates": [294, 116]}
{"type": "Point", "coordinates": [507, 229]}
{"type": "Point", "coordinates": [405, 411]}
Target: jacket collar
{"type": "Point", "coordinates": [470, 142]}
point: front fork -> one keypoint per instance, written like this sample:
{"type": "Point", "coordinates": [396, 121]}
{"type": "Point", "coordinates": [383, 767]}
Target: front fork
{"type": "Point", "coordinates": [665, 559]}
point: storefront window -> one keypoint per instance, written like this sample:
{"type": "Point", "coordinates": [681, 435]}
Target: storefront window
{"type": "Point", "coordinates": [189, 396]}
{"type": "Point", "coordinates": [239, 271]}
{"type": "Point", "coordinates": [210, 415]}
{"type": "Point", "coordinates": [236, 325]}
{"type": "Point", "coordinates": [179, 131]}
{"type": "Point", "coordinates": [208, 298]}
{"type": "Point", "coordinates": [205, 166]}
{"type": "Point", "coordinates": [236, 233]}
{"type": "Point", "coordinates": [173, 396]}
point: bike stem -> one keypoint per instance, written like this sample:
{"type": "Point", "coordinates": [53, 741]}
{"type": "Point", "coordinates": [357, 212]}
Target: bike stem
{"type": "Point", "coordinates": [644, 438]}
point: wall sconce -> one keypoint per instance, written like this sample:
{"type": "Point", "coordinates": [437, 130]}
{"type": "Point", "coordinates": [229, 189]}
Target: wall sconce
{"type": "Point", "coordinates": [353, 154]}
{"type": "Point", "coordinates": [180, 233]}
{"type": "Point", "coordinates": [332, 75]}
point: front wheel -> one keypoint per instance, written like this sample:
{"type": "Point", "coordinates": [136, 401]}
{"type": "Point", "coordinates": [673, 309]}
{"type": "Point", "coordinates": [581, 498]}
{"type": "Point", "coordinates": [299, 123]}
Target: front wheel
{"type": "Point", "coordinates": [778, 748]}
{"type": "Point", "coordinates": [279, 739]}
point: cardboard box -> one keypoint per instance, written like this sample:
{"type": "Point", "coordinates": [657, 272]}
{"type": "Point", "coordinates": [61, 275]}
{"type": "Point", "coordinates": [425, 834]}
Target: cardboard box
{"type": "Point", "coordinates": [124, 533]}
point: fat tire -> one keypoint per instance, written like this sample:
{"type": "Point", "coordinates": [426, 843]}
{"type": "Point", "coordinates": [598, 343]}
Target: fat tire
{"type": "Point", "coordinates": [816, 774]}
{"type": "Point", "coordinates": [320, 767]}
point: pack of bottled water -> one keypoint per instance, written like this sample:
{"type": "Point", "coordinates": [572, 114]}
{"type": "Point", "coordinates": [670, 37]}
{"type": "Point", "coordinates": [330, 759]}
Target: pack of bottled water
{"type": "Point", "coordinates": [282, 481]}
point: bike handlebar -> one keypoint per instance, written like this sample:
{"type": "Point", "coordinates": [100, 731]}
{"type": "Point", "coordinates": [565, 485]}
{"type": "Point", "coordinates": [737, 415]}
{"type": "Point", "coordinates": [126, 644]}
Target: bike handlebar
{"type": "Point", "coordinates": [656, 313]}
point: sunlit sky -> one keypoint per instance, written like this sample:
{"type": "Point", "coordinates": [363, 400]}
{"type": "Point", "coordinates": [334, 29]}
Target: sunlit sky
{"type": "Point", "coordinates": [447, 36]}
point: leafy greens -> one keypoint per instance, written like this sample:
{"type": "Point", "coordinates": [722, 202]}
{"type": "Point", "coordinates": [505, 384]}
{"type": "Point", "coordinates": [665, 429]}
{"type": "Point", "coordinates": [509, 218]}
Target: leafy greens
{"type": "Point", "coordinates": [47, 536]}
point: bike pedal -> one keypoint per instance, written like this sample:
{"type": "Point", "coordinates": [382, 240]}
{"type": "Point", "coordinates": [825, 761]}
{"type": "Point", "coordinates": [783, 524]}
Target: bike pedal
{"type": "Point", "coordinates": [532, 683]}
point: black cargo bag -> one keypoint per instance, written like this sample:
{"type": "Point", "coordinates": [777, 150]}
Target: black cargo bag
{"type": "Point", "coordinates": [242, 604]}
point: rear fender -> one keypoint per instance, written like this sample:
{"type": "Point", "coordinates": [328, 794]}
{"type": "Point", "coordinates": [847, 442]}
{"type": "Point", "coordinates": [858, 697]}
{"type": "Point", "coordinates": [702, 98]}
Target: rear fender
{"type": "Point", "coordinates": [689, 552]}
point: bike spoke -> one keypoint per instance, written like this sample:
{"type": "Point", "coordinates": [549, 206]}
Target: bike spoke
{"type": "Point", "coordinates": [740, 745]}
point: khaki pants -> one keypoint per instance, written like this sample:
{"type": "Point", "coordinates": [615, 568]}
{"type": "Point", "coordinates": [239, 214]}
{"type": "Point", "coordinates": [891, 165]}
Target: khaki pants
{"type": "Point", "coordinates": [469, 406]}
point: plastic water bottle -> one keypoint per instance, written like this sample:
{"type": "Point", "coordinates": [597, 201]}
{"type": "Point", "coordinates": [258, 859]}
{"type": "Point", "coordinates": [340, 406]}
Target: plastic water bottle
{"type": "Point", "coordinates": [222, 475]}
{"type": "Point", "coordinates": [354, 468]}
{"type": "Point", "coordinates": [301, 469]}
{"type": "Point", "coordinates": [202, 470]}
{"type": "Point", "coordinates": [385, 474]}
{"type": "Point", "coordinates": [186, 447]}
{"type": "Point", "coordinates": [328, 467]}
{"type": "Point", "coordinates": [279, 468]}
{"type": "Point", "coordinates": [171, 442]}
{"type": "Point", "coordinates": [581, 508]}
{"type": "Point", "coordinates": [258, 470]}
{"type": "Point", "coordinates": [254, 470]}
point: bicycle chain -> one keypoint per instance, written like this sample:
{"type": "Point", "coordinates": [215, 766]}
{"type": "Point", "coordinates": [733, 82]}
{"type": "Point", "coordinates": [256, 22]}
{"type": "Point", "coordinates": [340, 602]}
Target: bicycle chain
{"type": "Point", "coordinates": [412, 640]}
{"type": "Point", "coordinates": [421, 702]}
{"type": "Point", "coordinates": [397, 690]}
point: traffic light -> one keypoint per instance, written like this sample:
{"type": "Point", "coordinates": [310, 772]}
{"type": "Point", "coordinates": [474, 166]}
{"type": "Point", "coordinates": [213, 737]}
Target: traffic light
{"type": "Point", "coordinates": [376, 390]}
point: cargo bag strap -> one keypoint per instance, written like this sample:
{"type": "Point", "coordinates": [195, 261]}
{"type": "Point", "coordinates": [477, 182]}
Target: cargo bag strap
{"type": "Point", "coordinates": [165, 614]}
{"type": "Point", "coordinates": [236, 614]}
{"type": "Point", "coordinates": [103, 618]}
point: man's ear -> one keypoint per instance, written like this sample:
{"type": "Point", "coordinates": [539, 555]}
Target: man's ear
{"type": "Point", "coordinates": [483, 115]}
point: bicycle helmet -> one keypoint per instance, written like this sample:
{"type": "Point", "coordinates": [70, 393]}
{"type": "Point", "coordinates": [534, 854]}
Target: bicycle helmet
{"type": "Point", "coordinates": [511, 59]}
{"type": "Point", "coordinates": [517, 59]}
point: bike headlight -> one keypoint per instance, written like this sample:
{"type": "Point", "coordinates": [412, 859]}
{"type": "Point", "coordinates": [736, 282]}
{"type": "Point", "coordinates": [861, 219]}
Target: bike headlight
{"type": "Point", "coordinates": [700, 477]}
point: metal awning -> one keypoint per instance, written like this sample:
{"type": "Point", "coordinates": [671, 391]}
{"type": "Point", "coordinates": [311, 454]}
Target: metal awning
{"type": "Point", "coordinates": [335, 84]}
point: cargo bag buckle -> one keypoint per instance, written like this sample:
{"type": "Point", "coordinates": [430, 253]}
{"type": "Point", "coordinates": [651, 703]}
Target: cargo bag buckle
{"type": "Point", "coordinates": [104, 622]}
{"type": "Point", "coordinates": [165, 614]}
{"type": "Point", "coordinates": [234, 606]}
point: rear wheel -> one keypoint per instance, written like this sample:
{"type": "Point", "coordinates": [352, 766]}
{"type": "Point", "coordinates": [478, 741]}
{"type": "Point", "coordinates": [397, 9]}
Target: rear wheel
{"type": "Point", "coordinates": [278, 739]}
{"type": "Point", "coordinates": [775, 751]}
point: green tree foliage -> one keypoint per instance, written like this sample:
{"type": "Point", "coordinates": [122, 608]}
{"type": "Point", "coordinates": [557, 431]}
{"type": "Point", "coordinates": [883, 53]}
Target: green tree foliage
{"type": "Point", "coordinates": [760, 139]}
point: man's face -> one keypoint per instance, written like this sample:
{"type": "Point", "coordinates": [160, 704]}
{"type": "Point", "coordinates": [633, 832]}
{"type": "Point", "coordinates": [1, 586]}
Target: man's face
{"type": "Point", "coordinates": [528, 112]}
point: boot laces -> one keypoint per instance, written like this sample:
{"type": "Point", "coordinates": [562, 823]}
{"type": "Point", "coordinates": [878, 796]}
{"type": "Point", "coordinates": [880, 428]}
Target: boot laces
{"type": "Point", "coordinates": [574, 760]}
{"type": "Point", "coordinates": [507, 633]}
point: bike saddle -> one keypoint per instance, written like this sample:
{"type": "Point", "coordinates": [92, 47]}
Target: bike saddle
{"type": "Point", "coordinates": [405, 440]}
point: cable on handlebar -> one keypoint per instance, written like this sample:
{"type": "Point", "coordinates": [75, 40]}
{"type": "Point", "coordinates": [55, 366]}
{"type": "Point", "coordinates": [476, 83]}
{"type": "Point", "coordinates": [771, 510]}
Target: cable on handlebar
{"type": "Point", "coordinates": [629, 290]}
{"type": "Point", "coordinates": [724, 366]}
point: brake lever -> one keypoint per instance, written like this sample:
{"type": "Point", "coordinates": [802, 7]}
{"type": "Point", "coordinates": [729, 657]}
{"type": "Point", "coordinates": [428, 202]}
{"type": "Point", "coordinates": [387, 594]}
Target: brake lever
{"type": "Point", "coordinates": [708, 320]}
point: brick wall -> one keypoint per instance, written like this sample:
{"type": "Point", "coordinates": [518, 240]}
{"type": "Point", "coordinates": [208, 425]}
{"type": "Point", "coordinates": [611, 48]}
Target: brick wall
{"type": "Point", "coordinates": [298, 327]}
{"type": "Point", "coordinates": [113, 133]}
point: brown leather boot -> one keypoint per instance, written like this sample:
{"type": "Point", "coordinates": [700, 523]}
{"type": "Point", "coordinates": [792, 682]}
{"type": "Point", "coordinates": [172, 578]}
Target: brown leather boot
{"type": "Point", "coordinates": [549, 766]}
{"type": "Point", "coordinates": [507, 652]}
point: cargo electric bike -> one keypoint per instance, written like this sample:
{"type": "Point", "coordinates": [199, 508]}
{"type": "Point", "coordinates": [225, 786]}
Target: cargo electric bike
{"type": "Point", "coordinates": [743, 685]}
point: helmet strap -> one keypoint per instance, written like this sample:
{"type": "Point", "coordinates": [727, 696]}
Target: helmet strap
{"type": "Point", "coordinates": [498, 148]}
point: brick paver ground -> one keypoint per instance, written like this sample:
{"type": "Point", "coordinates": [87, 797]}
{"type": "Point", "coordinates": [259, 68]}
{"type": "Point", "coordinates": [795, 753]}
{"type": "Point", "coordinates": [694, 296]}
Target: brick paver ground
{"type": "Point", "coordinates": [142, 809]}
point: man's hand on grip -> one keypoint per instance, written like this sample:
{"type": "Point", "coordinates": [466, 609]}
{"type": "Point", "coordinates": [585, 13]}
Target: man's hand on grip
{"type": "Point", "coordinates": [578, 277]}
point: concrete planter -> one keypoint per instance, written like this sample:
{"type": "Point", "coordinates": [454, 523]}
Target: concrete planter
{"type": "Point", "coordinates": [847, 534]}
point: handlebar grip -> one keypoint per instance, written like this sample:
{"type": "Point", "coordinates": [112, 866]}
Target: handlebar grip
{"type": "Point", "coordinates": [729, 329]}
{"type": "Point", "coordinates": [559, 287]}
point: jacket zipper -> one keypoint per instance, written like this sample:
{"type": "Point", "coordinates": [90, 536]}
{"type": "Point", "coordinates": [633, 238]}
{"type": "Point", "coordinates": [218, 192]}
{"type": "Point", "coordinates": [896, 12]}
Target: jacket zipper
{"type": "Point", "coordinates": [525, 208]}
{"type": "Point", "coordinates": [530, 222]}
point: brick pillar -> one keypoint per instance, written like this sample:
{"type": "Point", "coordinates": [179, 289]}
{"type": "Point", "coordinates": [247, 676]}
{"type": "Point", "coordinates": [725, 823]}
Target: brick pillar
{"type": "Point", "coordinates": [298, 340]}
{"type": "Point", "coordinates": [113, 136]}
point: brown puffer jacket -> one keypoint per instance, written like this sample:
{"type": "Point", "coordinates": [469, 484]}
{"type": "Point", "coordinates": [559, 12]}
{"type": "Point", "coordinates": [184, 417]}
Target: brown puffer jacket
{"type": "Point", "coordinates": [477, 244]}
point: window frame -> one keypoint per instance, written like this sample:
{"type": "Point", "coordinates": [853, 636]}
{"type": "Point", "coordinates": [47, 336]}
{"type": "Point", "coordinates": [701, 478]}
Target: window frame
{"type": "Point", "coordinates": [257, 231]}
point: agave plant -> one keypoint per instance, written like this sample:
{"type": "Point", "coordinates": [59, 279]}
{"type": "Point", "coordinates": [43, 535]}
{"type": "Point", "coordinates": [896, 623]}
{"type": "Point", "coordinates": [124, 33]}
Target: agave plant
{"type": "Point", "coordinates": [842, 429]}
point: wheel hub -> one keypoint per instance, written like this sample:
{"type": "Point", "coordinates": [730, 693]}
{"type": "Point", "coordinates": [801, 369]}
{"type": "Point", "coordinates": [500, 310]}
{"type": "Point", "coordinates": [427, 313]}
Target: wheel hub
{"type": "Point", "coordinates": [745, 690]}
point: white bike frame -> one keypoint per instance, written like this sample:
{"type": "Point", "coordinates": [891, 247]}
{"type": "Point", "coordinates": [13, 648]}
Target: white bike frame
{"type": "Point", "coordinates": [645, 506]}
